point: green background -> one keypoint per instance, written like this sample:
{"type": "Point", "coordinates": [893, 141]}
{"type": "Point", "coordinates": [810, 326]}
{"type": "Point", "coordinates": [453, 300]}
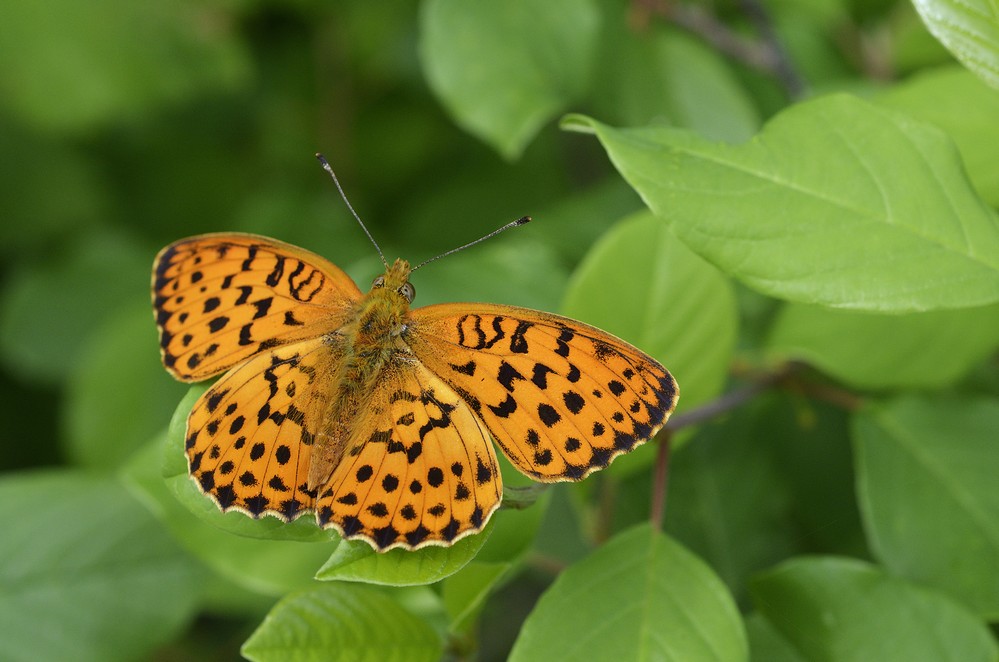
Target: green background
{"type": "Point", "coordinates": [792, 205]}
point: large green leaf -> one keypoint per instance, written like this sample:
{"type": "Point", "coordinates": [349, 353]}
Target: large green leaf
{"type": "Point", "coordinates": [927, 481]}
{"type": "Point", "coordinates": [639, 597]}
{"type": "Point", "coordinates": [837, 202]}
{"type": "Point", "coordinates": [87, 574]}
{"type": "Point", "coordinates": [869, 350]}
{"type": "Point", "coordinates": [843, 610]}
{"type": "Point", "coordinates": [963, 106]}
{"type": "Point", "coordinates": [766, 643]}
{"type": "Point", "coordinates": [343, 622]}
{"type": "Point", "coordinates": [465, 592]}
{"type": "Point", "coordinates": [503, 69]}
{"type": "Point", "coordinates": [969, 29]}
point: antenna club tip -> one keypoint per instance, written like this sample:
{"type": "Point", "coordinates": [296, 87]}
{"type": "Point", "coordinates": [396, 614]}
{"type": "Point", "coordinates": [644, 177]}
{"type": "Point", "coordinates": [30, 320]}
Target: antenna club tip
{"type": "Point", "coordinates": [523, 220]}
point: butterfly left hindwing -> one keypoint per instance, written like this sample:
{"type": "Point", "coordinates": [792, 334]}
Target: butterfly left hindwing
{"type": "Point", "coordinates": [250, 436]}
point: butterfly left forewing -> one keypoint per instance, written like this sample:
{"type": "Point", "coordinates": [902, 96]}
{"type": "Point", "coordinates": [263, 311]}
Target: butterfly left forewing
{"type": "Point", "coordinates": [421, 471]}
{"type": "Point", "coordinates": [560, 397]}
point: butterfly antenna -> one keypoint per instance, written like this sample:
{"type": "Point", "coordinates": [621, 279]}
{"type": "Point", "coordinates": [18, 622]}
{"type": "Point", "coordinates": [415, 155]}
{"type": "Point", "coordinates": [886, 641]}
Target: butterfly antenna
{"type": "Point", "coordinates": [520, 221]}
{"type": "Point", "coordinates": [329, 169]}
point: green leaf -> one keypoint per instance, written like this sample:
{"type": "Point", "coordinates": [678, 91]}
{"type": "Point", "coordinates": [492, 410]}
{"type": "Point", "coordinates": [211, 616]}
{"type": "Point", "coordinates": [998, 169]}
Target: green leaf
{"type": "Point", "coordinates": [966, 108]}
{"type": "Point", "coordinates": [728, 500]}
{"type": "Point", "coordinates": [118, 394]}
{"type": "Point", "coordinates": [766, 643]}
{"type": "Point", "coordinates": [969, 29]}
{"type": "Point", "coordinates": [87, 574]}
{"type": "Point", "coordinates": [514, 526]}
{"type": "Point", "coordinates": [503, 69]}
{"type": "Point", "coordinates": [836, 202]}
{"type": "Point", "coordinates": [357, 561]}
{"type": "Point", "coordinates": [843, 610]}
{"type": "Point", "coordinates": [48, 310]}
{"type": "Point", "coordinates": [640, 283]}
{"type": "Point", "coordinates": [927, 486]}
{"type": "Point", "coordinates": [112, 59]}
{"type": "Point", "coordinates": [811, 444]}
{"type": "Point", "coordinates": [342, 621]}
{"type": "Point", "coordinates": [465, 592]}
{"type": "Point", "coordinates": [920, 350]}
{"type": "Point", "coordinates": [639, 597]}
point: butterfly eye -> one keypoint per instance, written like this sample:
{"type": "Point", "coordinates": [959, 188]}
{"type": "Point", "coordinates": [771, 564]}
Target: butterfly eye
{"type": "Point", "coordinates": [407, 290]}
{"type": "Point", "coordinates": [378, 282]}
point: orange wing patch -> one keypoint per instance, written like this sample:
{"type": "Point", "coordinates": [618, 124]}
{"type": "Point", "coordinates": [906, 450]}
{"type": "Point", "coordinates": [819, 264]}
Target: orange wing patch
{"type": "Point", "coordinates": [425, 472]}
{"type": "Point", "coordinates": [250, 436]}
{"type": "Point", "coordinates": [560, 397]}
{"type": "Point", "coordinates": [221, 298]}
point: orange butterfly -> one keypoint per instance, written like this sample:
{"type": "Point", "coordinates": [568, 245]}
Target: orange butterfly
{"type": "Point", "coordinates": [375, 416]}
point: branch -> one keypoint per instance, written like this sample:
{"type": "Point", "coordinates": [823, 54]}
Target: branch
{"type": "Point", "coordinates": [660, 482]}
{"type": "Point", "coordinates": [767, 55]}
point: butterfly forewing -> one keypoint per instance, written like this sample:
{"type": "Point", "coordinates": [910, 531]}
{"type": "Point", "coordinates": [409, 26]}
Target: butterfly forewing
{"type": "Point", "coordinates": [220, 298]}
{"type": "Point", "coordinates": [424, 471]}
{"type": "Point", "coordinates": [560, 397]}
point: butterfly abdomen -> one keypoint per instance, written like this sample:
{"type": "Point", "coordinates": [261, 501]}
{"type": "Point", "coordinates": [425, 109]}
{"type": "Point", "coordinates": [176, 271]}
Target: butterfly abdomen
{"type": "Point", "coordinates": [370, 339]}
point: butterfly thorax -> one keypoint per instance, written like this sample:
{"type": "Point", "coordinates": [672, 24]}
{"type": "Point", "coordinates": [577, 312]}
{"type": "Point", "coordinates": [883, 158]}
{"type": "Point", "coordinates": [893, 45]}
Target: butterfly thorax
{"type": "Point", "coordinates": [370, 339]}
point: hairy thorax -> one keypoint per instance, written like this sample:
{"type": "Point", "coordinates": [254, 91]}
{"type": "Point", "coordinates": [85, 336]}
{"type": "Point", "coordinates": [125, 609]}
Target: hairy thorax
{"type": "Point", "coordinates": [370, 341]}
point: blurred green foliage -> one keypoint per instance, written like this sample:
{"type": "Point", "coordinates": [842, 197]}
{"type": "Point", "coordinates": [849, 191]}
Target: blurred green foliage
{"type": "Point", "coordinates": [727, 212]}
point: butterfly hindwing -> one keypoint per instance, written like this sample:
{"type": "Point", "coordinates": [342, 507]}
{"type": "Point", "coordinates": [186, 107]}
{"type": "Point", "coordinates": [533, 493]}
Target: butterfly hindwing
{"type": "Point", "coordinates": [250, 436]}
{"type": "Point", "coordinates": [560, 397]}
{"type": "Point", "coordinates": [424, 472]}
{"type": "Point", "coordinates": [220, 298]}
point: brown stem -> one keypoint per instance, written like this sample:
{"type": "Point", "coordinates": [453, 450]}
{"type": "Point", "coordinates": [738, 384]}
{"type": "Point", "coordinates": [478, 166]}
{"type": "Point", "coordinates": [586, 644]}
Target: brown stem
{"type": "Point", "coordinates": [731, 400]}
{"type": "Point", "coordinates": [605, 511]}
{"type": "Point", "coordinates": [783, 68]}
{"type": "Point", "coordinates": [660, 482]}
{"type": "Point", "coordinates": [767, 56]}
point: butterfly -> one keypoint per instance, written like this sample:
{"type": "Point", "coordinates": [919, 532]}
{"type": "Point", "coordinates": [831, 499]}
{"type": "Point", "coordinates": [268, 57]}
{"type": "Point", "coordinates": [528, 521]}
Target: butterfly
{"type": "Point", "coordinates": [375, 416]}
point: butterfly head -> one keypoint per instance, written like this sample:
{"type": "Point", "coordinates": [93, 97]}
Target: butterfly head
{"type": "Point", "coordinates": [396, 280]}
